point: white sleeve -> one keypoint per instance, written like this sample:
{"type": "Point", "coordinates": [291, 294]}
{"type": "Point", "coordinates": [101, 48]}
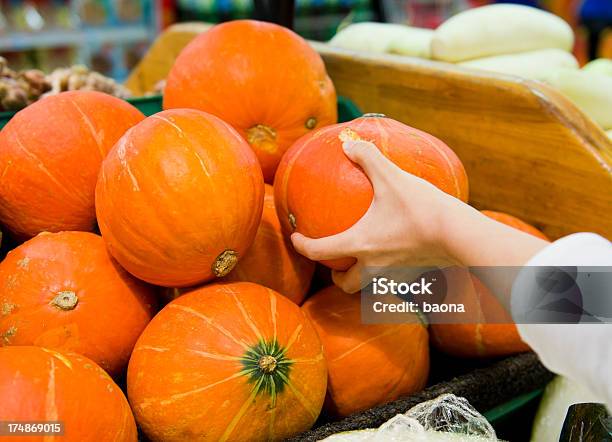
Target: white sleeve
{"type": "Point", "coordinates": [580, 352]}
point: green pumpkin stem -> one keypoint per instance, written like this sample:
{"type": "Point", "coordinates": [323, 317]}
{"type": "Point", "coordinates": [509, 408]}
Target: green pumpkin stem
{"type": "Point", "coordinates": [267, 367]}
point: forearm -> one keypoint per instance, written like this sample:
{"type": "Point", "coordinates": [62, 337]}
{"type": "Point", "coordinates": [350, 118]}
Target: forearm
{"type": "Point", "coordinates": [476, 240]}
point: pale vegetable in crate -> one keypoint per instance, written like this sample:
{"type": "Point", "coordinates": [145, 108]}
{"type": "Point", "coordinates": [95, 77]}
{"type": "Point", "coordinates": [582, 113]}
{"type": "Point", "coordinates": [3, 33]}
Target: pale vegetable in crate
{"type": "Point", "coordinates": [558, 396]}
{"type": "Point", "coordinates": [599, 66]}
{"type": "Point", "coordinates": [385, 38]}
{"type": "Point", "coordinates": [447, 418]}
{"type": "Point", "coordinates": [534, 65]}
{"type": "Point", "coordinates": [499, 29]}
{"type": "Point", "coordinates": [591, 92]}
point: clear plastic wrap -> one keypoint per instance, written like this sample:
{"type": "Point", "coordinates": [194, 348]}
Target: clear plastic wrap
{"type": "Point", "coordinates": [447, 418]}
{"type": "Point", "coordinates": [452, 414]}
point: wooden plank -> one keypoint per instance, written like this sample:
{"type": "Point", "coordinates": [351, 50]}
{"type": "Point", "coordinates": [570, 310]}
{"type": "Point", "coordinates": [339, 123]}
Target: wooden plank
{"type": "Point", "coordinates": [160, 57]}
{"type": "Point", "coordinates": [527, 150]}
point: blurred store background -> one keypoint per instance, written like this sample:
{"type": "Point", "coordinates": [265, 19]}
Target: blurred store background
{"type": "Point", "coordinates": [110, 36]}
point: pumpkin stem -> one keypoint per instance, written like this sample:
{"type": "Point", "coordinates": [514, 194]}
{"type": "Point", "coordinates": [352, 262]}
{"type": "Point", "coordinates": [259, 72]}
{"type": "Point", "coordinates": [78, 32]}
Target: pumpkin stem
{"type": "Point", "coordinates": [311, 123]}
{"type": "Point", "coordinates": [348, 134]}
{"type": "Point", "coordinates": [66, 300]}
{"type": "Point", "coordinates": [267, 364]}
{"type": "Point", "coordinates": [6, 308]}
{"type": "Point", "coordinates": [292, 221]}
{"type": "Point", "coordinates": [7, 335]}
{"type": "Point", "coordinates": [267, 367]}
{"type": "Point", "coordinates": [224, 263]}
{"type": "Point", "coordinates": [422, 319]}
{"type": "Point", "coordinates": [263, 137]}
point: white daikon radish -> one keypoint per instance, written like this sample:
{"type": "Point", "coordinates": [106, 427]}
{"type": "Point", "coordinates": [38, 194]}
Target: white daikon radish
{"type": "Point", "coordinates": [589, 91]}
{"type": "Point", "coordinates": [600, 66]}
{"type": "Point", "coordinates": [415, 42]}
{"type": "Point", "coordinates": [534, 65]}
{"type": "Point", "coordinates": [497, 30]}
{"type": "Point", "coordinates": [384, 37]}
{"type": "Point", "coordinates": [560, 393]}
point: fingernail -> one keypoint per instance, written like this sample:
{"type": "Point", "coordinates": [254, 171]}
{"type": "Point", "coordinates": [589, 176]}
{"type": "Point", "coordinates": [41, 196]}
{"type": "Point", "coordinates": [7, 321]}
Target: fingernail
{"type": "Point", "coordinates": [347, 146]}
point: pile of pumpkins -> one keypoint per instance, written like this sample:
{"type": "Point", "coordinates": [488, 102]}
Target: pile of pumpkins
{"type": "Point", "coordinates": [504, 38]}
{"type": "Point", "coordinates": [189, 218]}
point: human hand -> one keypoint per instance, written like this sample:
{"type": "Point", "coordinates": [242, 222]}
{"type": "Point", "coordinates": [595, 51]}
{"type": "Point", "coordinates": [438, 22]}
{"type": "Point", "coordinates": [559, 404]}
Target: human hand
{"type": "Point", "coordinates": [401, 227]}
{"type": "Point", "coordinates": [412, 223]}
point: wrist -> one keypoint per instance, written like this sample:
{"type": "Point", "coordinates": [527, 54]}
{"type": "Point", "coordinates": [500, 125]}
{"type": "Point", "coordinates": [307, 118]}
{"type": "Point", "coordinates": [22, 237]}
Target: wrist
{"type": "Point", "coordinates": [459, 225]}
{"type": "Point", "coordinates": [473, 239]}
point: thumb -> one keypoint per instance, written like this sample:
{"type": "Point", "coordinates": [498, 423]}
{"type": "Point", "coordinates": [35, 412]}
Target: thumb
{"type": "Point", "coordinates": [336, 246]}
{"type": "Point", "coordinates": [375, 165]}
{"type": "Point", "coordinates": [351, 280]}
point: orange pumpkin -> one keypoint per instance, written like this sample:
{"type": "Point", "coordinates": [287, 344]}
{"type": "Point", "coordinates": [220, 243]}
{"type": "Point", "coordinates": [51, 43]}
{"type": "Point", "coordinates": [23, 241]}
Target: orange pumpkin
{"type": "Point", "coordinates": [63, 291]}
{"type": "Point", "coordinates": [271, 261]}
{"type": "Point", "coordinates": [179, 198]}
{"type": "Point", "coordinates": [233, 361]}
{"type": "Point", "coordinates": [368, 364]}
{"type": "Point", "coordinates": [50, 156]}
{"type": "Point", "coordinates": [491, 338]}
{"type": "Point", "coordinates": [320, 192]}
{"type": "Point", "coordinates": [263, 79]}
{"type": "Point", "coordinates": [42, 385]}
{"type": "Point", "coordinates": [494, 335]}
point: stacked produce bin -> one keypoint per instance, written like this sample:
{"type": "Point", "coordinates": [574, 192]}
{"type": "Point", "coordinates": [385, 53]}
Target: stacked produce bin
{"type": "Point", "coordinates": [150, 289]}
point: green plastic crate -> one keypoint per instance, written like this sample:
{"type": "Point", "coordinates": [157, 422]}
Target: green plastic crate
{"type": "Point", "coordinates": [347, 110]}
{"type": "Point", "coordinates": [146, 105]}
{"type": "Point", "coordinates": [506, 409]}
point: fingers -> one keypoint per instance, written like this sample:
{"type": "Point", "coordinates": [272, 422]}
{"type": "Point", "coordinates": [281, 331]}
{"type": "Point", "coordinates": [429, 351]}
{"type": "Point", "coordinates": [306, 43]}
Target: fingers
{"type": "Point", "coordinates": [375, 165]}
{"type": "Point", "coordinates": [349, 281]}
{"type": "Point", "coordinates": [330, 247]}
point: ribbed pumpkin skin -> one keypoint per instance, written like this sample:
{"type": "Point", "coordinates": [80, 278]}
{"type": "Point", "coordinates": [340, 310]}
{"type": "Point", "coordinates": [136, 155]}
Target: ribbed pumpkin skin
{"type": "Point", "coordinates": [253, 74]}
{"type": "Point", "coordinates": [272, 261]}
{"type": "Point", "coordinates": [368, 364]}
{"type": "Point", "coordinates": [37, 384]}
{"type": "Point", "coordinates": [489, 339]}
{"type": "Point", "coordinates": [178, 192]}
{"type": "Point", "coordinates": [185, 380]}
{"type": "Point", "coordinates": [64, 291]}
{"type": "Point", "coordinates": [324, 193]}
{"type": "Point", "coordinates": [50, 156]}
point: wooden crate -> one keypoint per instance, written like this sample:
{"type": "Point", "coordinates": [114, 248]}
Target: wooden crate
{"type": "Point", "coordinates": [527, 150]}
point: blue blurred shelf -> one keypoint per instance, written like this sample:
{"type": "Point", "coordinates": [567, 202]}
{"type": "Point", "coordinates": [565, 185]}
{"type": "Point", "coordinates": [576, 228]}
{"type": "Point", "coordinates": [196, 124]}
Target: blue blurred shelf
{"type": "Point", "coordinates": [61, 38]}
